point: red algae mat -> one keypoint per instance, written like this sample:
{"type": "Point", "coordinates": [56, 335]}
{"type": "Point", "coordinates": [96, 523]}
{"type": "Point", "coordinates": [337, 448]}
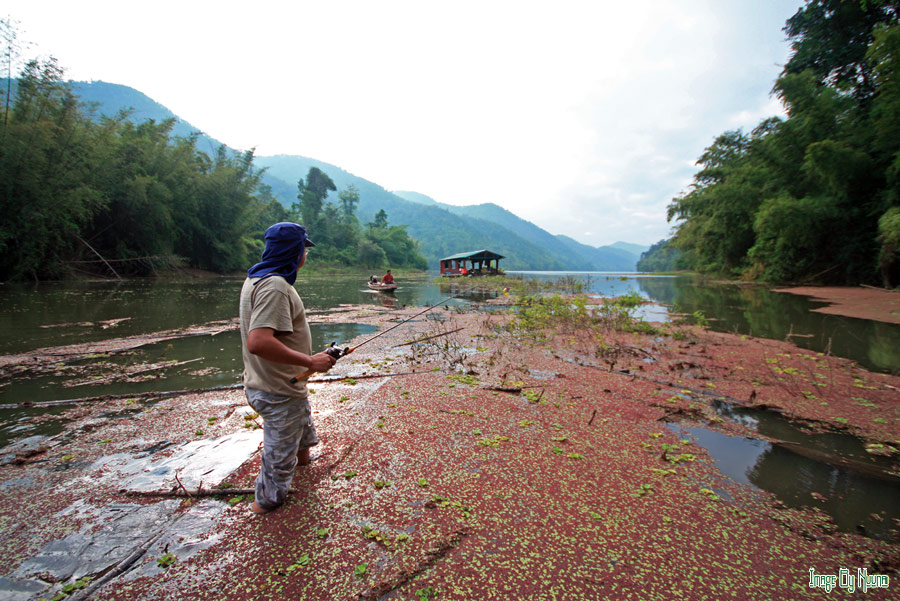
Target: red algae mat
{"type": "Point", "coordinates": [864, 303]}
{"type": "Point", "coordinates": [490, 466]}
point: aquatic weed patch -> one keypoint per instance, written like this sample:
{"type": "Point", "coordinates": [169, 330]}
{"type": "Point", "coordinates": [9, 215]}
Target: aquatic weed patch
{"type": "Point", "coordinates": [518, 520]}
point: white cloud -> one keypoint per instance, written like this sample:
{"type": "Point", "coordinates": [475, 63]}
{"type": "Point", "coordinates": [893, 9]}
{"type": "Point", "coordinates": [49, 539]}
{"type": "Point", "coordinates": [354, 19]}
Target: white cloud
{"type": "Point", "coordinates": [566, 113]}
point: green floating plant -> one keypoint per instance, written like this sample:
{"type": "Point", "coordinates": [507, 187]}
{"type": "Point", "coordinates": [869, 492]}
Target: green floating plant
{"type": "Point", "coordinates": [300, 563]}
{"type": "Point", "coordinates": [493, 442]}
{"type": "Point", "coordinates": [166, 560]}
{"type": "Point", "coordinates": [712, 496]}
{"type": "Point", "coordinates": [644, 490]}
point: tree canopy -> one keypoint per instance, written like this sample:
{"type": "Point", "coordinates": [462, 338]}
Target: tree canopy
{"type": "Point", "coordinates": [813, 197]}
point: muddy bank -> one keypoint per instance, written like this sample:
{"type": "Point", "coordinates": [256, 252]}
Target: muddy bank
{"type": "Point", "coordinates": [484, 464]}
{"type": "Point", "coordinates": [863, 303]}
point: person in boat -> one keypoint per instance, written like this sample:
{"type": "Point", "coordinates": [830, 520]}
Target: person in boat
{"type": "Point", "coordinates": [373, 279]}
{"type": "Point", "coordinates": [275, 341]}
{"type": "Point", "coordinates": [387, 278]}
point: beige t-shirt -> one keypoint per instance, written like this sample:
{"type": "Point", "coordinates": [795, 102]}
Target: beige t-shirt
{"type": "Point", "coordinates": [273, 303]}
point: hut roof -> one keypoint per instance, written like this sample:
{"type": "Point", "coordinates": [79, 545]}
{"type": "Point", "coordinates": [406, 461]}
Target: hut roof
{"type": "Point", "coordinates": [474, 255]}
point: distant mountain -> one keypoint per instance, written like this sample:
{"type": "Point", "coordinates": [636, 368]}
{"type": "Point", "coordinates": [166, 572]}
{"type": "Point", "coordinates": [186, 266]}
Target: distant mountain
{"type": "Point", "coordinates": [635, 249]}
{"type": "Point", "coordinates": [575, 255]}
{"type": "Point", "coordinates": [606, 258]}
{"type": "Point", "coordinates": [110, 98]}
{"type": "Point", "coordinates": [416, 197]}
{"type": "Point", "coordinates": [441, 229]}
{"type": "Point", "coordinates": [440, 232]}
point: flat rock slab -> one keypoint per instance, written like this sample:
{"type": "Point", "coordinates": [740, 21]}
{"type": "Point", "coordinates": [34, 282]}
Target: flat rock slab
{"type": "Point", "coordinates": [201, 461]}
{"type": "Point", "coordinates": [111, 535]}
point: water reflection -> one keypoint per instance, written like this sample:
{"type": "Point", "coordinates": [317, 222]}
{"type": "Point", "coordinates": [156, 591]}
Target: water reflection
{"type": "Point", "coordinates": [774, 425]}
{"type": "Point", "coordinates": [855, 502]}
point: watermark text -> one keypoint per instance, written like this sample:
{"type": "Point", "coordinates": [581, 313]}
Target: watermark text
{"type": "Point", "coordinates": [845, 579]}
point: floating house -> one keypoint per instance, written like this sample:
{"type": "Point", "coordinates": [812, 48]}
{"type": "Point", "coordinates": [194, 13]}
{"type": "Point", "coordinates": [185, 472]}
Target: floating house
{"type": "Point", "coordinates": [478, 262]}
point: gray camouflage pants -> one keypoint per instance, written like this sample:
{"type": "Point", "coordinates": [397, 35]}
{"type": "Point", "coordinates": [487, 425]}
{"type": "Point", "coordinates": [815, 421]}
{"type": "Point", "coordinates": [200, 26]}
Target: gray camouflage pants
{"type": "Point", "coordinates": [287, 428]}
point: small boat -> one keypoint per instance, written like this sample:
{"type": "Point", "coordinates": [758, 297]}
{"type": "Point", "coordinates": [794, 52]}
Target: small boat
{"type": "Point", "coordinates": [382, 287]}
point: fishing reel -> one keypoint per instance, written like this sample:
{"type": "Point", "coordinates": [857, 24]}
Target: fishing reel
{"type": "Point", "coordinates": [334, 351]}
{"type": "Point", "coordinates": [337, 352]}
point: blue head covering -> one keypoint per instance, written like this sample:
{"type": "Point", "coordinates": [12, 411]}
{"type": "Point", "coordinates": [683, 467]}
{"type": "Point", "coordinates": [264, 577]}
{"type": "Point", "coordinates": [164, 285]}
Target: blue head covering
{"type": "Point", "coordinates": [285, 243]}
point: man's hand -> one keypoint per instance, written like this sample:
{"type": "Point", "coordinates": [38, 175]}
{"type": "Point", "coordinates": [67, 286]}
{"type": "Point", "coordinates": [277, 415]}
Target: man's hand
{"type": "Point", "coordinates": [321, 362]}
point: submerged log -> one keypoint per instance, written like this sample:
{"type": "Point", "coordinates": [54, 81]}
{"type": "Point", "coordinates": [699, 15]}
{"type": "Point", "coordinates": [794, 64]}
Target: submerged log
{"type": "Point", "coordinates": [115, 397]}
{"type": "Point", "coordinates": [854, 465]}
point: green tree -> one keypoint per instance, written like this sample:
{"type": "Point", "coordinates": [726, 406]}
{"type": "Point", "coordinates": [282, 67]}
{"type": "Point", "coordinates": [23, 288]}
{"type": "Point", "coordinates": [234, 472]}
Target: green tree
{"type": "Point", "coordinates": [349, 198]}
{"type": "Point", "coordinates": [225, 213]}
{"type": "Point", "coordinates": [661, 256]}
{"type": "Point", "coordinates": [370, 254]}
{"type": "Point", "coordinates": [45, 155]}
{"type": "Point", "coordinates": [81, 192]}
{"type": "Point", "coordinates": [800, 199]}
{"type": "Point", "coordinates": [380, 221]}
{"type": "Point", "coordinates": [889, 251]}
{"type": "Point", "coordinates": [398, 248]}
{"type": "Point", "coordinates": [311, 195]}
{"type": "Point", "coordinates": [717, 212]}
{"type": "Point", "coordinates": [830, 39]}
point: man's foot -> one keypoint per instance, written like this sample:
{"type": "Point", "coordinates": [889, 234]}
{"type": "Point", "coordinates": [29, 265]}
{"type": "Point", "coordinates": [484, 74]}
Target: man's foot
{"type": "Point", "coordinates": [255, 508]}
{"type": "Point", "coordinates": [303, 457]}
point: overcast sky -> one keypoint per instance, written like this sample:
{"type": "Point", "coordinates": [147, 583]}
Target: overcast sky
{"type": "Point", "coordinates": [584, 117]}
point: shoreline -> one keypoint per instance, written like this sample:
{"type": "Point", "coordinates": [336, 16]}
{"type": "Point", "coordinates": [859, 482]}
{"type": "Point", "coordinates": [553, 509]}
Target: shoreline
{"type": "Point", "coordinates": [859, 302]}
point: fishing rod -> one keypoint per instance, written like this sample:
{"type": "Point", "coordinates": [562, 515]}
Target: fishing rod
{"type": "Point", "coordinates": [338, 352]}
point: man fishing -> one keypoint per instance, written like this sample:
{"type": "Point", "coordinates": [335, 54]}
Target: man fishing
{"type": "Point", "coordinates": [275, 340]}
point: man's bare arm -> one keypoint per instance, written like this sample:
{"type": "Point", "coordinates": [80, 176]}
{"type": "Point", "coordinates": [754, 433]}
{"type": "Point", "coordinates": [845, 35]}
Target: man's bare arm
{"type": "Point", "coordinates": [262, 342]}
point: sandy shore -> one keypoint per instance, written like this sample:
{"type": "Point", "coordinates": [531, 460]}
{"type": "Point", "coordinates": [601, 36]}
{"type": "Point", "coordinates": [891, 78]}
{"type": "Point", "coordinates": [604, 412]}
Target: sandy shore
{"type": "Point", "coordinates": [864, 303]}
{"type": "Point", "coordinates": [483, 464]}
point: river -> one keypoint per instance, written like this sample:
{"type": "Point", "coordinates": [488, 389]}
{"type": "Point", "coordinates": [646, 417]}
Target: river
{"type": "Point", "coordinates": [56, 314]}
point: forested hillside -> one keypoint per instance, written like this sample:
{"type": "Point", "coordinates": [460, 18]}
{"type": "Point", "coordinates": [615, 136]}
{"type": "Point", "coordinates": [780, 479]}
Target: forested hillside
{"type": "Point", "coordinates": [445, 230]}
{"type": "Point", "coordinates": [87, 193]}
{"type": "Point", "coordinates": [814, 197]}
{"type": "Point", "coordinates": [569, 253]}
